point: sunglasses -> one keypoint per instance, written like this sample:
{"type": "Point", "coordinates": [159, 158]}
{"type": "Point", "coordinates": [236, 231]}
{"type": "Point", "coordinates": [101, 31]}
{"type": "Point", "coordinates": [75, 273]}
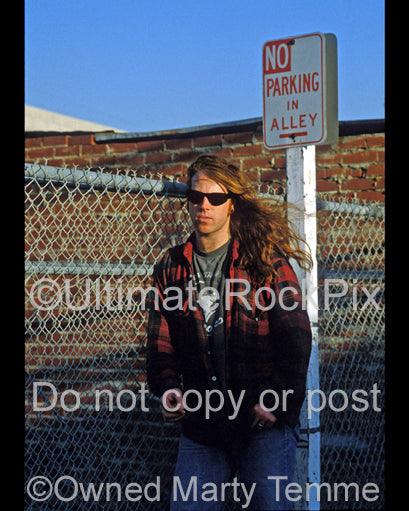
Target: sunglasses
{"type": "Point", "coordinates": [215, 199]}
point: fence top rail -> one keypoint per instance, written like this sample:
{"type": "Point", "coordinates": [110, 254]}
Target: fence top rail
{"type": "Point", "coordinates": [103, 180]}
{"type": "Point", "coordinates": [113, 182]}
{"type": "Point", "coordinates": [373, 210]}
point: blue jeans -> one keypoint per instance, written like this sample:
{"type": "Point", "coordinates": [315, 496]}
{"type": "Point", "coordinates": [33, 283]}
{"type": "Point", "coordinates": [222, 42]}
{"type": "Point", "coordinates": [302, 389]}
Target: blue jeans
{"type": "Point", "coordinates": [202, 471]}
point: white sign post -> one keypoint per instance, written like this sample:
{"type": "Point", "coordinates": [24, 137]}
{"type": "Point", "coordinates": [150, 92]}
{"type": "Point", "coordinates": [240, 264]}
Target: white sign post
{"type": "Point", "coordinates": [301, 190]}
{"type": "Point", "coordinates": [300, 110]}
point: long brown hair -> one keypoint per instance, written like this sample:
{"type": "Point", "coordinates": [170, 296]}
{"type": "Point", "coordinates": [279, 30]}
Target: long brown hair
{"type": "Point", "coordinates": [261, 225]}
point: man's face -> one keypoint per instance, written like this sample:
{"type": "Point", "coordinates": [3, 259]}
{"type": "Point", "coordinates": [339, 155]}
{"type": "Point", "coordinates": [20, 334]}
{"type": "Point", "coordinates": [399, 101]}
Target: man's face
{"type": "Point", "coordinates": [208, 219]}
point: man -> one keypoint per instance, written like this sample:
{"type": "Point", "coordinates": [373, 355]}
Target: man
{"type": "Point", "coordinates": [229, 344]}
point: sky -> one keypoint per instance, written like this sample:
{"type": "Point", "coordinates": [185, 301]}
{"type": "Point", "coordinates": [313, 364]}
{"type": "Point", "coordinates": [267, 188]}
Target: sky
{"type": "Point", "coordinates": [151, 65]}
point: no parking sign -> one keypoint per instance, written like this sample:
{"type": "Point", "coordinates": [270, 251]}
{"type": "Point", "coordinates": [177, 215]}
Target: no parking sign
{"type": "Point", "coordinates": [300, 96]}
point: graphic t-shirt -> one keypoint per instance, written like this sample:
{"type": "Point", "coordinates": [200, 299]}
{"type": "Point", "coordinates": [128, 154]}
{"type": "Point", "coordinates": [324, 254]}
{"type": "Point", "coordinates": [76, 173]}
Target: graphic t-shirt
{"type": "Point", "coordinates": [210, 271]}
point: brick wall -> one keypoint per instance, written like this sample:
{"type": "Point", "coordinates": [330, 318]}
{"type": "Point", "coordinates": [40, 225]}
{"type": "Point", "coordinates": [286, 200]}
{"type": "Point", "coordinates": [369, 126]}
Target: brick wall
{"type": "Point", "coordinates": [353, 167]}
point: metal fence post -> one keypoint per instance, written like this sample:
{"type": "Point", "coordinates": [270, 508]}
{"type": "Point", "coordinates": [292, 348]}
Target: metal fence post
{"type": "Point", "coordinates": [301, 191]}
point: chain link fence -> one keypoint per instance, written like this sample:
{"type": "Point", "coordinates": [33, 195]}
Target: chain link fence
{"type": "Point", "coordinates": [351, 262]}
{"type": "Point", "coordinates": [92, 427]}
{"type": "Point", "coordinates": [91, 241]}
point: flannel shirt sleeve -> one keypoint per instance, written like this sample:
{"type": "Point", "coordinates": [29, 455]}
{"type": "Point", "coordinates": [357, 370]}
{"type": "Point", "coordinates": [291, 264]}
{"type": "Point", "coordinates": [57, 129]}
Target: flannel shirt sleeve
{"type": "Point", "coordinates": [290, 333]}
{"type": "Point", "coordinates": [161, 364]}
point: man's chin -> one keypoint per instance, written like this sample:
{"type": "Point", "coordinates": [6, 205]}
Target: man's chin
{"type": "Point", "coordinates": [203, 229]}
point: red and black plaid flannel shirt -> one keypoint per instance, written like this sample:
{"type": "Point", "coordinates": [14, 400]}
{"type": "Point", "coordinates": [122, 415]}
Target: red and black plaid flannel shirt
{"type": "Point", "coordinates": [265, 349]}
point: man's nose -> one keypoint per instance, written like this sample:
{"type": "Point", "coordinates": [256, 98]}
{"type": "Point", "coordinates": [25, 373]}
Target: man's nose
{"type": "Point", "coordinates": [205, 203]}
